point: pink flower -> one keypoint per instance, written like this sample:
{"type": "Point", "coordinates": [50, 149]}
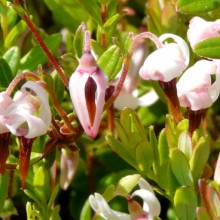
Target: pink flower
{"type": "Point", "coordinates": [87, 90]}
{"type": "Point", "coordinates": [200, 30]}
{"type": "Point", "coordinates": [195, 88]}
{"type": "Point", "coordinates": [217, 171]}
{"type": "Point", "coordinates": [28, 114]}
{"type": "Point", "coordinates": [168, 62]}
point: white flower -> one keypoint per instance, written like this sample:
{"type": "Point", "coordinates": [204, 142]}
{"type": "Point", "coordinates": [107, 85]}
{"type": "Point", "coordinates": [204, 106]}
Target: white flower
{"type": "Point", "coordinates": [28, 115]}
{"type": "Point", "coordinates": [168, 62]}
{"type": "Point", "coordinates": [151, 206]}
{"type": "Point", "coordinates": [195, 88]}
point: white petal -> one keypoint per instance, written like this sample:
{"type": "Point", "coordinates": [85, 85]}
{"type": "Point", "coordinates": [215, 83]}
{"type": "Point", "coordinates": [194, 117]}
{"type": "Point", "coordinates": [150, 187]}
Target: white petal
{"type": "Point", "coordinates": [181, 43]}
{"type": "Point", "coordinates": [151, 203]}
{"type": "Point", "coordinates": [99, 204]}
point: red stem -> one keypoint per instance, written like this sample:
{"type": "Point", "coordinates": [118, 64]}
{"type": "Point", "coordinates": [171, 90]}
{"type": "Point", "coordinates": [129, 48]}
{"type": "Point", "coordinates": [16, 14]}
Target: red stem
{"type": "Point", "coordinates": [45, 49]}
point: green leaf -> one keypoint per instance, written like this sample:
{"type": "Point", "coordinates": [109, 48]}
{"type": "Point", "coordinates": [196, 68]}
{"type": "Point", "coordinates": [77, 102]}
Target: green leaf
{"type": "Point", "coordinates": [12, 57]}
{"type": "Point", "coordinates": [127, 184]}
{"type": "Point", "coordinates": [86, 211]}
{"type": "Point", "coordinates": [197, 6]}
{"type": "Point", "coordinates": [15, 33]}
{"type": "Point", "coordinates": [180, 168]}
{"type": "Point", "coordinates": [3, 189]}
{"type": "Point", "coordinates": [79, 39]}
{"type": "Point", "coordinates": [5, 73]}
{"type": "Point", "coordinates": [121, 150]}
{"type": "Point", "coordinates": [111, 21]}
{"type": "Point", "coordinates": [144, 156]}
{"type": "Point", "coordinates": [208, 48]}
{"type": "Point", "coordinates": [93, 9]}
{"type": "Point", "coordinates": [65, 15]}
{"type": "Point", "coordinates": [121, 132]}
{"type": "Point", "coordinates": [185, 203]}
{"type": "Point", "coordinates": [97, 48]}
{"type": "Point", "coordinates": [200, 157]}
{"type": "Point", "coordinates": [53, 196]}
{"type": "Point", "coordinates": [154, 144]}
{"type": "Point", "coordinates": [41, 183]}
{"type": "Point", "coordinates": [185, 144]}
{"type": "Point", "coordinates": [111, 61]}
{"type": "Point", "coordinates": [8, 209]}
{"type": "Point", "coordinates": [163, 148]}
{"type": "Point", "coordinates": [36, 56]}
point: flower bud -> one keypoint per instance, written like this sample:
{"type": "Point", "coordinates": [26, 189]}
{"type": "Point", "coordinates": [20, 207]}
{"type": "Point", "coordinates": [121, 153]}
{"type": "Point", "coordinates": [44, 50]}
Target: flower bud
{"type": "Point", "coordinates": [200, 30]}
{"type": "Point", "coordinates": [87, 87]}
{"type": "Point", "coordinates": [168, 62]}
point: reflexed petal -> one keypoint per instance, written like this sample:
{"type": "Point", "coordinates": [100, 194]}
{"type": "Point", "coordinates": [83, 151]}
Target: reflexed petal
{"type": "Point", "coordinates": [151, 203]}
{"type": "Point", "coordinates": [99, 204]}
{"type": "Point", "coordinates": [181, 43]}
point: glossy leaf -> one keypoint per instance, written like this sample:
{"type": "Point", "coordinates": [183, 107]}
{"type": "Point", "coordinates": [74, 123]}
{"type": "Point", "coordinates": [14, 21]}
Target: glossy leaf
{"type": "Point", "coordinates": [36, 56]}
{"type": "Point", "coordinates": [200, 157]}
{"type": "Point", "coordinates": [5, 73]}
{"type": "Point", "coordinates": [127, 184]}
{"type": "Point", "coordinates": [121, 150]}
{"type": "Point", "coordinates": [185, 144]}
{"type": "Point", "coordinates": [144, 156]}
{"type": "Point", "coordinates": [163, 148]}
{"type": "Point", "coordinates": [180, 168]}
{"type": "Point", "coordinates": [79, 39]}
{"type": "Point", "coordinates": [197, 6]}
{"type": "Point", "coordinates": [86, 211]}
{"type": "Point", "coordinates": [111, 61]}
{"type": "Point", "coordinates": [185, 203]}
{"type": "Point", "coordinates": [154, 144]}
{"type": "Point", "coordinates": [41, 183]}
{"type": "Point", "coordinates": [93, 9]}
{"type": "Point", "coordinates": [209, 48]}
{"type": "Point", "coordinates": [15, 33]}
{"type": "Point", "coordinates": [12, 57]}
{"type": "Point", "coordinates": [63, 13]}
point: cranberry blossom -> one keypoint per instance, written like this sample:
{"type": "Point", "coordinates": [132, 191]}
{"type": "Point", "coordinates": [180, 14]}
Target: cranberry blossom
{"type": "Point", "coordinates": [195, 88]}
{"type": "Point", "coordinates": [200, 29]}
{"type": "Point", "coordinates": [151, 206]}
{"type": "Point", "coordinates": [87, 87]}
{"type": "Point", "coordinates": [28, 113]}
{"type": "Point", "coordinates": [167, 62]}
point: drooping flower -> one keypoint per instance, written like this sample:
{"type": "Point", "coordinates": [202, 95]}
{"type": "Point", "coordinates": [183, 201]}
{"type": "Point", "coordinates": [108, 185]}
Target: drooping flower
{"type": "Point", "coordinates": [151, 206]}
{"type": "Point", "coordinates": [195, 88]}
{"type": "Point", "coordinates": [200, 29]}
{"type": "Point", "coordinates": [87, 87]}
{"type": "Point", "coordinates": [29, 114]}
{"type": "Point", "coordinates": [167, 62]}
